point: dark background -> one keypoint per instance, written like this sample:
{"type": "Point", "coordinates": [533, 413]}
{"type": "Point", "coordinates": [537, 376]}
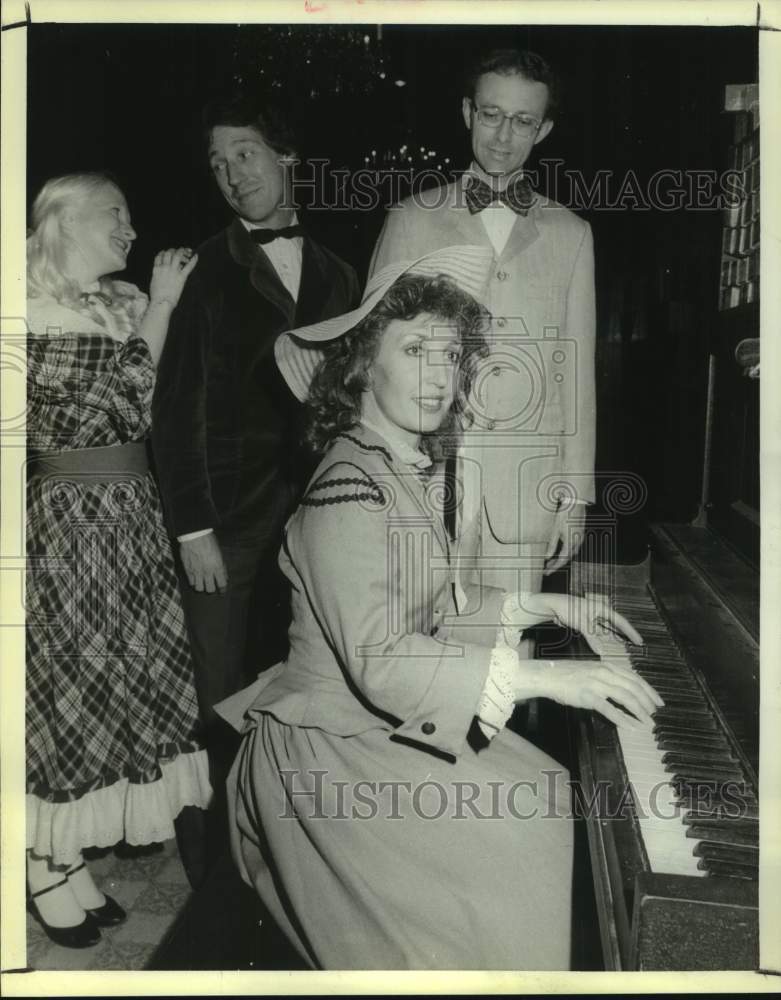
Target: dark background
{"type": "Point", "coordinates": [128, 98]}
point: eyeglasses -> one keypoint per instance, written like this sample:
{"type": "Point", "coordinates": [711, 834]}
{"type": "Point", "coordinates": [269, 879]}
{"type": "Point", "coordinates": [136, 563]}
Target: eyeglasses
{"type": "Point", "coordinates": [521, 123]}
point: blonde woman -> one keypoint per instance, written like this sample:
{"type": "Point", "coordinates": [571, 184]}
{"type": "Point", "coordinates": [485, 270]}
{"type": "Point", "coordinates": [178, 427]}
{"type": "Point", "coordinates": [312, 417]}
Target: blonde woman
{"type": "Point", "coordinates": [111, 728]}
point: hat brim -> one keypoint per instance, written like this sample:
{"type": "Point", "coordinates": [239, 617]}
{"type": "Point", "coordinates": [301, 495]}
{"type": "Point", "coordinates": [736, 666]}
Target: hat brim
{"type": "Point", "coordinates": [296, 351]}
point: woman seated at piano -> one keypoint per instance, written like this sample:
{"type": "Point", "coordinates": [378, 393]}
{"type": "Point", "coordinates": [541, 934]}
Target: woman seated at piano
{"type": "Point", "coordinates": [380, 808]}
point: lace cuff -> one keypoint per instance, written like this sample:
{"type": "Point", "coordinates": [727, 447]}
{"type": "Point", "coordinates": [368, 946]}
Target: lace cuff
{"type": "Point", "coordinates": [498, 698]}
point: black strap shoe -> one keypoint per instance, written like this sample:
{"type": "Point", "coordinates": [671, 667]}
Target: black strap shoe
{"type": "Point", "coordinates": [109, 914]}
{"type": "Point", "coordinates": [83, 935]}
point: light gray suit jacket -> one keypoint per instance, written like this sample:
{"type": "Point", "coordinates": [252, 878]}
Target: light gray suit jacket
{"type": "Point", "coordinates": [533, 402]}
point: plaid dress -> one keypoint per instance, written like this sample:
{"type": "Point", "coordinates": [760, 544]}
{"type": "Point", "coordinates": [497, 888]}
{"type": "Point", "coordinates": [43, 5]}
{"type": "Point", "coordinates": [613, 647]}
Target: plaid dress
{"type": "Point", "coordinates": [111, 712]}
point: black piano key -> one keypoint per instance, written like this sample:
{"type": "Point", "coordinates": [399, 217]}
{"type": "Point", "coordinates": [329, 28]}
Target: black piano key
{"type": "Point", "coordinates": [730, 794]}
{"type": "Point", "coordinates": [668, 668]}
{"type": "Point", "coordinates": [697, 755]}
{"type": "Point", "coordinates": [700, 799]}
{"type": "Point", "coordinates": [697, 742]}
{"type": "Point", "coordinates": [665, 660]}
{"type": "Point", "coordinates": [671, 727]}
{"type": "Point", "coordinates": [684, 721]}
{"type": "Point", "coordinates": [715, 816]}
{"type": "Point", "coordinates": [727, 854]}
{"type": "Point", "coordinates": [674, 687]}
{"type": "Point", "coordinates": [723, 835]}
{"type": "Point", "coordinates": [688, 737]}
{"type": "Point", "coordinates": [685, 700]}
{"type": "Point", "coordinates": [696, 716]}
{"type": "Point", "coordinates": [725, 870]}
{"type": "Point", "coordinates": [703, 775]}
{"type": "Point", "coordinates": [672, 682]}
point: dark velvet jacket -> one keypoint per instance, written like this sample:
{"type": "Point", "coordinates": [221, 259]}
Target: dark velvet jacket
{"type": "Point", "coordinates": [226, 428]}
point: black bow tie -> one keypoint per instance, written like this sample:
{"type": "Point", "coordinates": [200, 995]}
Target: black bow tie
{"type": "Point", "coordinates": [518, 195]}
{"type": "Point", "coordinates": [261, 236]}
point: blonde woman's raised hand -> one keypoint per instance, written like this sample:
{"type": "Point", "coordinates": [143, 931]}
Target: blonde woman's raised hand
{"type": "Point", "coordinates": [169, 274]}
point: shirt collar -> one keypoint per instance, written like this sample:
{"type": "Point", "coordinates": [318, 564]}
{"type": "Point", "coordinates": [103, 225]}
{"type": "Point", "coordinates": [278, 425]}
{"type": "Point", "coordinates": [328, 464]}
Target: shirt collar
{"type": "Point", "coordinates": [406, 454]}
{"type": "Point", "coordinates": [249, 226]}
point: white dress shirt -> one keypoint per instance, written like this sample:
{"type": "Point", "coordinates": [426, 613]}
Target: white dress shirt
{"type": "Point", "coordinates": [498, 219]}
{"type": "Point", "coordinates": [285, 256]}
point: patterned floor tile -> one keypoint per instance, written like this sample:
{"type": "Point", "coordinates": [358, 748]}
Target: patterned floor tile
{"type": "Point", "coordinates": [102, 867]}
{"type": "Point", "coordinates": [125, 892]}
{"type": "Point", "coordinates": [134, 956]}
{"type": "Point", "coordinates": [162, 899]}
{"type": "Point", "coordinates": [36, 948]}
{"type": "Point", "coordinates": [140, 869]}
{"type": "Point", "coordinates": [142, 928]}
{"type": "Point", "coordinates": [120, 956]}
{"type": "Point", "coordinates": [70, 959]}
{"type": "Point", "coordinates": [173, 872]}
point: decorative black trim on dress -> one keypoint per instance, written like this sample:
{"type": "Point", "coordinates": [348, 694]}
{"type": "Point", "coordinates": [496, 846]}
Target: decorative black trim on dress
{"type": "Point", "coordinates": [376, 496]}
{"type": "Point", "coordinates": [366, 447]}
{"type": "Point", "coordinates": [348, 480]}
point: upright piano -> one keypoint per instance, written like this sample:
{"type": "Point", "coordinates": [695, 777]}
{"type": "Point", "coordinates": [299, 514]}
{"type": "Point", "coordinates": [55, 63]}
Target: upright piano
{"type": "Point", "coordinates": [672, 815]}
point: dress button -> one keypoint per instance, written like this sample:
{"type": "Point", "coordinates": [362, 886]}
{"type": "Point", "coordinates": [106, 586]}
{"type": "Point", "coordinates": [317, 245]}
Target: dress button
{"type": "Point", "coordinates": [491, 425]}
{"type": "Point", "coordinates": [501, 275]}
{"type": "Point", "coordinates": [428, 728]}
{"type": "Point", "coordinates": [496, 370]}
{"type": "Point", "coordinates": [501, 321]}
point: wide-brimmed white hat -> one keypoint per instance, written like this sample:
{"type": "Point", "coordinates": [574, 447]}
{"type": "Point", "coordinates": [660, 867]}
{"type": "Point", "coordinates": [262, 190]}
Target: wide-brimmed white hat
{"type": "Point", "coordinates": [296, 351]}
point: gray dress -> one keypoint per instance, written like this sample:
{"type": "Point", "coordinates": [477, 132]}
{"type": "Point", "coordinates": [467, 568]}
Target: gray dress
{"type": "Point", "coordinates": [372, 827]}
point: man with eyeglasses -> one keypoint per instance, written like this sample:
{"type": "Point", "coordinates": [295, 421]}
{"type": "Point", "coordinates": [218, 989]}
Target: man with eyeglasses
{"type": "Point", "coordinates": [526, 464]}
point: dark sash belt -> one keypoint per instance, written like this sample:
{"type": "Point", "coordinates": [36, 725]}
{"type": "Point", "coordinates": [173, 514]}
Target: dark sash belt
{"type": "Point", "coordinates": [98, 465]}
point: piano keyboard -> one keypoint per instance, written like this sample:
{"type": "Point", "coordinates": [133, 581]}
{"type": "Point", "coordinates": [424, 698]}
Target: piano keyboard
{"type": "Point", "coordinates": [695, 806]}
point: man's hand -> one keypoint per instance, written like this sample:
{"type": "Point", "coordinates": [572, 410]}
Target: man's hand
{"type": "Point", "coordinates": [567, 536]}
{"type": "Point", "coordinates": [203, 564]}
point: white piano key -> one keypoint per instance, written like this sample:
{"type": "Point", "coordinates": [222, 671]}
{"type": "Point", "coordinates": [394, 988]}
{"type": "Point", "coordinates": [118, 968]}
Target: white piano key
{"type": "Point", "coordinates": [659, 811]}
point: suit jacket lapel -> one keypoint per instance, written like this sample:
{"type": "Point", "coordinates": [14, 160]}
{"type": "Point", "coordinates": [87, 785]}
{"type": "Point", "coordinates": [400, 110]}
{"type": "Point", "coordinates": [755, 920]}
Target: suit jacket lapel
{"type": "Point", "coordinates": [469, 230]}
{"type": "Point", "coordinates": [264, 278]}
{"type": "Point", "coordinates": [313, 290]}
{"type": "Point", "coordinates": [523, 233]}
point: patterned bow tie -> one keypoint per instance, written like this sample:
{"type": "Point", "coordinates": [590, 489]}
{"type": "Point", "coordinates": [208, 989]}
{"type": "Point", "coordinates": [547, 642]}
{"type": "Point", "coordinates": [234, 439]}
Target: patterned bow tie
{"type": "Point", "coordinates": [261, 236]}
{"type": "Point", "coordinates": [518, 195]}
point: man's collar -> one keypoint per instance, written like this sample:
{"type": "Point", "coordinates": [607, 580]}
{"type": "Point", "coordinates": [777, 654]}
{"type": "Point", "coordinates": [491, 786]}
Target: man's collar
{"type": "Point", "coordinates": [249, 226]}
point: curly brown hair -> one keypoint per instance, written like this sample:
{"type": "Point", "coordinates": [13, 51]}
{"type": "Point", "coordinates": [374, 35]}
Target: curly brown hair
{"type": "Point", "coordinates": [341, 378]}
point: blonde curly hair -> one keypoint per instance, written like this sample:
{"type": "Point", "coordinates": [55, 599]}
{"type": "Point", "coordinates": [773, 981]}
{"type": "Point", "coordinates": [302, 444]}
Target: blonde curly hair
{"type": "Point", "coordinates": [48, 245]}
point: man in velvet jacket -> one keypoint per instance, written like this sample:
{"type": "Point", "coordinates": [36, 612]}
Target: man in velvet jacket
{"type": "Point", "coordinates": [225, 434]}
